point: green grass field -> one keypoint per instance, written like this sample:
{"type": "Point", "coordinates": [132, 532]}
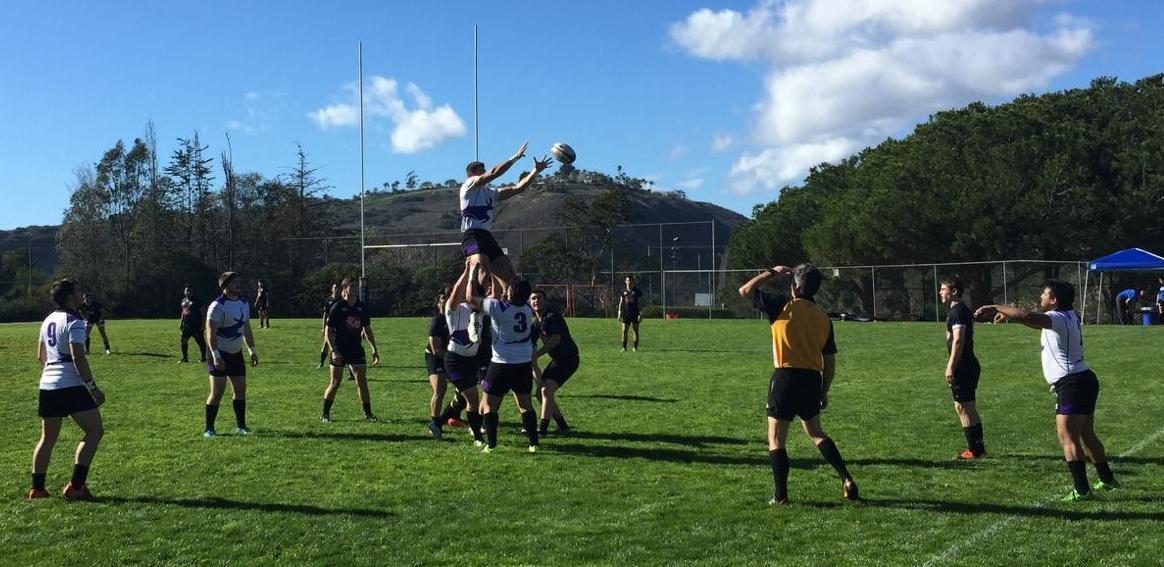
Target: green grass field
{"type": "Point", "coordinates": [668, 463]}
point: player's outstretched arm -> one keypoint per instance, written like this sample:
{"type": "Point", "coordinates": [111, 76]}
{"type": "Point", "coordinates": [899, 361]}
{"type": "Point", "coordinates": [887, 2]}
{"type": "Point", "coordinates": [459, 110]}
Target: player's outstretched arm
{"type": "Point", "coordinates": [539, 166]}
{"type": "Point", "coordinates": [1028, 318]}
{"type": "Point", "coordinates": [500, 169]}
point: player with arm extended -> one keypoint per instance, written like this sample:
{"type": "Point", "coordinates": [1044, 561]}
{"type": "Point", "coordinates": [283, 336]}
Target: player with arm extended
{"type": "Point", "coordinates": [804, 354]}
{"type": "Point", "coordinates": [509, 367]}
{"type": "Point", "coordinates": [477, 199]}
{"type": "Point", "coordinates": [67, 389]}
{"type": "Point", "coordinates": [461, 361]}
{"type": "Point", "coordinates": [564, 360]}
{"type": "Point", "coordinates": [95, 317]}
{"type": "Point", "coordinates": [348, 323]}
{"type": "Point", "coordinates": [1075, 386]}
{"type": "Point", "coordinates": [228, 328]}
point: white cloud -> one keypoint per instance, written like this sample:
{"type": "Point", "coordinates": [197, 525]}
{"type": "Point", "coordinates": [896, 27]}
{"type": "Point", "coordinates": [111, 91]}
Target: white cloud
{"type": "Point", "coordinates": [843, 74]}
{"type": "Point", "coordinates": [252, 95]}
{"type": "Point", "coordinates": [260, 111]}
{"type": "Point", "coordinates": [416, 127]}
{"type": "Point", "coordinates": [694, 183]}
{"type": "Point", "coordinates": [722, 143]}
{"type": "Point", "coordinates": [677, 152]}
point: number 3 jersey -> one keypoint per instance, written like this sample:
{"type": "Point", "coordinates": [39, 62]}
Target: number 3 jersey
{"type": "Point", "coordinates": [511, 331]}
{"type": "Point", "coordinates": [57, 332]}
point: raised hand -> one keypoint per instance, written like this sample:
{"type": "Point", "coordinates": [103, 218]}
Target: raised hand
{"type": "Point", "coordinates": [542, 164]}
{"type": "Point", "coordinates": [521, 151]}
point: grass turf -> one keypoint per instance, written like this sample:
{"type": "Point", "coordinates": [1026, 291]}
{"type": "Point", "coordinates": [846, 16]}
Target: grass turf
{"type": "Point", "coordinates": [668, 463]}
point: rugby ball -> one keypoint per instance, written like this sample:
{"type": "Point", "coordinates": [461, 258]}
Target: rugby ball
{"type": "Point", "coordinates": [563, 152]}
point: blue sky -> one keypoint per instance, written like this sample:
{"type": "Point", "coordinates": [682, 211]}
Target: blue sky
{"type": "Point", "coordinates": [727, 100]}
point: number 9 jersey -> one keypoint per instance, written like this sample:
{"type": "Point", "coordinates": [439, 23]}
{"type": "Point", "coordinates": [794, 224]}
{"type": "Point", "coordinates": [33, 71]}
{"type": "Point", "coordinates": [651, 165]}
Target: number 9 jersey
{"type": "Point", "coordinates": [512, 326]}
{"type": "Point", "coordinates": [57, 332]}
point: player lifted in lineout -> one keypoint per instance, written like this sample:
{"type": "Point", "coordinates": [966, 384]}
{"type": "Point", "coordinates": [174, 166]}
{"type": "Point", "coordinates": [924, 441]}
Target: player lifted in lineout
{"type": "Point", "coordinates": [477, 201]}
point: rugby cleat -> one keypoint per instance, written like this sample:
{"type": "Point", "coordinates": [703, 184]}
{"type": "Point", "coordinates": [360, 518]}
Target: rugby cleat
{"type": "Point", "coordinates": [849, 490]}
{"type": "Point", "coordinates": [454, 422]}
{"type": "Point", "coordinates": [371, 418]}
{"type": "Point", "coordinates": [968, 455]}
{"type": "Point", "coordinates": [77, 492]}
{"type": "Point", "coordinates": [478, 443]}
{"type": "Point", "coordinates": [107, 351]}
{"type": "Point", "coordinates": [35, 494]}
{"type": "Point", "coordinates": [564, 430]}
{"type": "Point", "coordinates": [1076, 496]}
{"type": "Point", "coordinates": [325, 418]}
{"type": "Point", "coordinates": [487, 449]}
{"type": "Point", "coordinates": [1101, 485]}
{"type": "Point", "coordinates": [774, 502]}
{"type": "Point", "coordinates": [623, 349]}
{"type": "Point", "coordinates": [636, 349]}
{"type": "Point", "coordinates": [209, 433]}
{"type": "Point", "coordinates": [242, 431]}
{"type": "Point", "coordinates": [533, 448]}
{"type": "Point", "coordinates": [434, 429]}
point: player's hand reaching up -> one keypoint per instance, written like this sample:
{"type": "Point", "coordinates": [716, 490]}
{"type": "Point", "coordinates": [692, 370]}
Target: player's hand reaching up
{"type": "Point", "coordinates": [542, 164]}
{"type": "Point", "coordinates": [986, 312]}
{"type": "Point", "coordinates": [520, 153]}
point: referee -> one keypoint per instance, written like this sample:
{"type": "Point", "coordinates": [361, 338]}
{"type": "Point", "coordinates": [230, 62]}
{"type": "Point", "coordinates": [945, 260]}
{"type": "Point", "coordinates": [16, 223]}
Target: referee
{"type": "Point", "coordinates": [804, 353]}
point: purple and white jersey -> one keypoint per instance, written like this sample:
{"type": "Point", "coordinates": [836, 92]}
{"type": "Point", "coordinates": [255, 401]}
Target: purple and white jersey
{"type": "Point", "coordinates": [477, 205]}
{"type": "Point", "coordinates": [460, 319]}
{"type": "Point", "coordinates": [57, 332]}
{"type": "Point", "coordinates": [511, 331]}
{"type": "Point", "coordinates": [231, 316]}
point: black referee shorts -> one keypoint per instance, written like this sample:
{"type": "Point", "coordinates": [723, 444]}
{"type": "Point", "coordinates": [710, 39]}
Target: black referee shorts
{"type": "Point", "coordinates": [794, 392]}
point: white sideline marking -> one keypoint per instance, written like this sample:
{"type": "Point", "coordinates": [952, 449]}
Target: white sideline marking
{"type": "Point", "coordinates": [993, 528]}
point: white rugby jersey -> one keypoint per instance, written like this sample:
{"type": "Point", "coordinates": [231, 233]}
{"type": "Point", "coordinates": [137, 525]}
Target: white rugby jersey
{"type": "Point", "coordinates": [460, 320]}
{"type": "Point", "coordinates": [57, 332]}
{"type": "Point", "coordinates": [231, 316]}
{"type": "Point", "coordinates": [477, 205]}
{"type": "Point", "coordinates": [1062, 346]}
{"type": "Point", "coordinates": [511, 331]}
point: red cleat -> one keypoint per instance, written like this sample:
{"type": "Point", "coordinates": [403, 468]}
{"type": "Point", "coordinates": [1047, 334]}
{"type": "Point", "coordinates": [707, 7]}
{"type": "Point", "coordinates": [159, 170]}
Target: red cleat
{"type": "Point", "coordinates": [969, 455]}
{"type": "Point", "coordinates": [454, 422]}
{"type": "Point", "coordinates": [35, 494]}
{"type": "Point", "coordinates": [77, 492]}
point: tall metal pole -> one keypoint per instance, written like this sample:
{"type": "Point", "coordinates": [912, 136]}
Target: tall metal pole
{"type": "Point", "coordinates": [711, 276]}
{"type": "Point", "coordinates": [873, 274]}
{"type": "Point", "coordinates": [363, 231]}
{"type": "Point", "coordinates": [476, 103]}
{"type": "Point", "coordinates": [937, 300]}
{"type": "Point", "coordinates": [1005, 294]}
{"type": "Point", "coordinates": [662, 275]}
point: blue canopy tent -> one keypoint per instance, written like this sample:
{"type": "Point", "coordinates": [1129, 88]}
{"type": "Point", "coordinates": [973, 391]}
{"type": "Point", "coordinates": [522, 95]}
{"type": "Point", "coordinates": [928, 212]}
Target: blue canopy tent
{"type": "Point", "coordinates": [1130, 260]}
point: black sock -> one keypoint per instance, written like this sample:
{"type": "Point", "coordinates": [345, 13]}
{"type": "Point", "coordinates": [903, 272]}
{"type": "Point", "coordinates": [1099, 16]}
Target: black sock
{"type": "Point", "coordinates": [453, 410]}
{"type": "Point", "coordinates": [529, 419]}
{"type": "Point", "coordinates": [240, 413]}
{"type": "Point", "coordinates": [1079, 476]}
{"type": "Point", "coordinates": [636, 343]}
{"type": "Point", "coordinates": [367, 408]}
{"type": "Point", "coordinates": [561, 421]}
{"type": "Point", "coordinates": [322, 356]}
{"type": "Point", "coordinates": [106, 343]}
{"type": "Point", "coordinates": [832, 455]}
{"type": "Point", "coordinates": [491, 420]}
{"type": "Point", "coordinates": [475, 425]}
{"type": "Point", "coordinates": [86, 343]}
{"type": "Point", "coordinates": [80, 475]}
{"type": "Point", "coordinates": [211, 415]}
{"type": "Point", "coordinates": [1104, 472]}
{"type": "Point", "coordinates": [38, 481]}
{"type": "Point", "coordinates": [327, 407]}
{"type": "Point", "coordinates": [780, 467]}
{"type": "Point", "coordinates": [201, 350]}
{"type": "Point", "coordinates": [543, 426]}
{"type": "Point", "coordinates": [185, 351]}
{"type": "Point", "coordinates": [979, 446]}
{"type": "Point", "coordinates": [624, 344]}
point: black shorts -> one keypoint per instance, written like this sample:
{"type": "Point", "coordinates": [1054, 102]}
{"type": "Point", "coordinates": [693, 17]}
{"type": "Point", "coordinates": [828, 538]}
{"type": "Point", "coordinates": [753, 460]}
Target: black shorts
{"type": "Point", "coordinates": [629, 316]}
{"type": "Point", "coordinates": [462, 370]}
{"type": "Point", "coordinates": [65, 402]}
{"type": "Point", "coordinates": [1076, 394]}
{"type": "Point", "coordinates": [480, 241]}
{"type": "Point", "coordinates": [95, 323]}
{"type": "Point", "coordinates": [191, 334]}
{"type": "Point", "coordinates": [965, 384]}
{"type": "Point", "coordinates": [350, 356]}
{"type": "Point", "coordinates": [434, 363]}
{"type": "Point", "coordinates": [233, 365]}
{"type": "Point", "coordinates": [560, 369]}
{"type": "Point", "coordinates": [504, 378]}
{"type": "Point", "coordinates": [794, 392]}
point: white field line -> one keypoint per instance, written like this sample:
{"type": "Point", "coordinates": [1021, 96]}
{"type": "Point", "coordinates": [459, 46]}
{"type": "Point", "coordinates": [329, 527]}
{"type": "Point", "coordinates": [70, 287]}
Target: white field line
{"type": "Point", "coordinates": [996, 526]}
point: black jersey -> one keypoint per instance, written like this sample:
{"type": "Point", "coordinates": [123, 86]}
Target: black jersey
{"type": "Point", "coordinates": [348, 321]}
{"type": "Point", "coordinates": [437, 327]}
{"type": "Point", "coordinates": [630, 300]}
{"type": "Point", "coordinates": [554, 324]}
{"type": "Point", "coordinates": [193, 313]}
{"type": "Point", "coordinates": [93, 312]}
{"type": "Point", "coordinates": [960, 315]}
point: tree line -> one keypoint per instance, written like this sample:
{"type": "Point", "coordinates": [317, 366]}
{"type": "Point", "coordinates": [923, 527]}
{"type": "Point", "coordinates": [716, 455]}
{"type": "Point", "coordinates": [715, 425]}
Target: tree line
{"type": "Point", "coordinates": [1068, 175]}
